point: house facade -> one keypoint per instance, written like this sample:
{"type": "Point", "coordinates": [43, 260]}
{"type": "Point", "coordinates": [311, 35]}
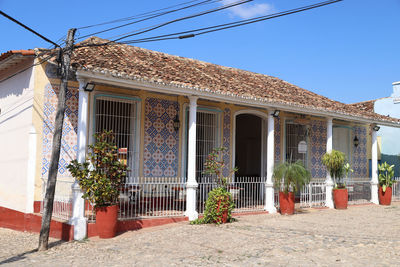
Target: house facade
{"type": "Point", "coordinates": [167, 114]}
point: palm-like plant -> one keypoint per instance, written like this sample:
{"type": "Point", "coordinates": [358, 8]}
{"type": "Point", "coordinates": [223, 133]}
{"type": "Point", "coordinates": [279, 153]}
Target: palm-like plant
{"type": "Point", "coordinates": [335, 162]}
{"type": "Point", "coordinates": [289, 177]}
{"type": "Point", "coordinates": [386, 174]}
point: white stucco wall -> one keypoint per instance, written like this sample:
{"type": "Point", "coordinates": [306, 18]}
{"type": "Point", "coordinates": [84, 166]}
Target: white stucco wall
{"type": "Point", "coordinates": [390, 106]}
{"type": "Point", "coordinates": [16, 102]}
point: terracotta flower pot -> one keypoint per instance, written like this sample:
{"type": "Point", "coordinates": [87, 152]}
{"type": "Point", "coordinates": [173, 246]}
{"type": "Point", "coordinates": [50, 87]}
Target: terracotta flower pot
{"type": "Point", "coordinates": [340, 198]}
{"type": "Point", "coordinates": [106, 221]}
{"type": "Point", "coordinates": [286, 203]}
{"type": "Point", "coordinates": [385, 198]}
{"type": "Point", "coordinates": [223, 218]}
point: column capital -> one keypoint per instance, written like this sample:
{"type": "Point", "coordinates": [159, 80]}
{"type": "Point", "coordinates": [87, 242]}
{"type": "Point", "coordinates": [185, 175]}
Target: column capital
{"type": "Point", "coordinates": [193, 99]}
{"type": "Point", "coordinates": [82, 82]}
{"type": "Point", "coordinates": [329, 119]}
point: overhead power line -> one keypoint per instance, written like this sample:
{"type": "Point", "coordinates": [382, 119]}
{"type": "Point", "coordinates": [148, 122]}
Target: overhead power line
{"type": "Point", "coordinates": [28, 28]}
{"type": "Point", "coordinates": [156, 15]}
{"type": "Point", "coordinates": [149, 13]}
{"type": "Point", "coordinates": [205, 30]}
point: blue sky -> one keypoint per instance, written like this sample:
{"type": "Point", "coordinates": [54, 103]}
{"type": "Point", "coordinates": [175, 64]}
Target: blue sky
{"type": "Point", "coordinates": [347, 51]}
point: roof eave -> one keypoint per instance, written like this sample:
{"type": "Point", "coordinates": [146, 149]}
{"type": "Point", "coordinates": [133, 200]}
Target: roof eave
{"type": "Point", "coordinates": [130, 82]}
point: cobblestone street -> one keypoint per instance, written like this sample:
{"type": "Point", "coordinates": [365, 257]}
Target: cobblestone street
{"type": "Point", "coordinates": [359, 236]}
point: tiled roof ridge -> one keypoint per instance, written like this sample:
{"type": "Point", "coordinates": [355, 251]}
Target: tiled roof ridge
{"type": "Point", "coordinates": [28, 52]}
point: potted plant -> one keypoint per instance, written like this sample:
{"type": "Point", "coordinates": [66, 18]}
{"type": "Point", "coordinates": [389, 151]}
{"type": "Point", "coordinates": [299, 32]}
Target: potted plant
{"type": "Point", "coordinates": [100, 179]}
{"type": "Point", "coordinates": [288, 178]}
{"type": "Point", "coordinates": [219, 204]}
{"type": "Point", "coordinates": [386, 174]}
{"type": "Point", "coordinates": [335, 162]}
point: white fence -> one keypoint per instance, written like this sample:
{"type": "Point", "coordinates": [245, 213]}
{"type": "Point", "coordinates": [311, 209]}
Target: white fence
{"type": "Point", "coordinates": [247, 192]}
{"type": "Point", "coordinates": [359, 190]}
{"type": "Point", "coordinates": [396, 189]}
{"type": "Point", "coordinates": [313, 195]}
{"type": "Point", "coordinates": [62, 205]}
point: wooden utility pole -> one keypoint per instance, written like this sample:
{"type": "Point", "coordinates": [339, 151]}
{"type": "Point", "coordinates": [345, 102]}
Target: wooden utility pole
{"type": "Point", "coordinates": [55, 154]}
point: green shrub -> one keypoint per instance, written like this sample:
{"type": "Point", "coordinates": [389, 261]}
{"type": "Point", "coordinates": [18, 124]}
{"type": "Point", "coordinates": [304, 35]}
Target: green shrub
{"type": "Point", "coordinates": [386, 174]}
{"type": "Point", "coordinates": [102, 175]}
{"type": "Point", "coordinates": [289, 177]}
{"type": "Point", "coordinates": [335, 162]}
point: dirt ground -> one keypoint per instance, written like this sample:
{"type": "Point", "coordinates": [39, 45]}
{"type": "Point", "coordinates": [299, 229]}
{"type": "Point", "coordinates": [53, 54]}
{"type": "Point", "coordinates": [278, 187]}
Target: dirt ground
{"type": "Point", "coordinates": [366, 235]}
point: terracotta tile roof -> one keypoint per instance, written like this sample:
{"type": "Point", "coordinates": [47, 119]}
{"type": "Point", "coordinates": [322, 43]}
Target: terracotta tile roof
{"type": "Point", "coordinates": [14, 57]}
{"type": "Point", "coordinates": [129, 62]}
{"type": "Point", "coordinates": [365, 105]}
{"type": "Point", "coordinates": [16, 52]}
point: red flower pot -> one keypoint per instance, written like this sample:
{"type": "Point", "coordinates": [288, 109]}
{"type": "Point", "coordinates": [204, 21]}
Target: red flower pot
{"type": "Point", "coordinates": [223, 218]}
{"type": "Point", "coordinates": [341, 198]}
{"type": "Point", "coordinates": [385, 198]}
{"type": "Point", "coordinates": [106, 221]}
{"type": "Point", "coordinates": [286, 203]}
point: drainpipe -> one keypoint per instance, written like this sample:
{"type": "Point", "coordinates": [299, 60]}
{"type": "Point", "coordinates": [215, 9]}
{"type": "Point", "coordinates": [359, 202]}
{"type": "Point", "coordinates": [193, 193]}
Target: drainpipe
{"type": "Point", "coordinates": [78, 219]}
{"type": "Point", "coordinates": [328, 181]}
{"type": "Point", "coordinates": [269, 186]}
{"type": "Point", "coordinates": [374, 167]}
{"type": "Point", "coordinates": [191, 185]}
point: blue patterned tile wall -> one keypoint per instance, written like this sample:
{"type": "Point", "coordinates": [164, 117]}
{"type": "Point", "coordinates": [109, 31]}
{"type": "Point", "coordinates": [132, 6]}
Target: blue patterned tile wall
{"type": "Point", "coordinates": [161, 141]}
{"type": "Point", "coordinates": [277, 138]}
{"type": "Point", "coordinates": [227, 140]}
{"type": "Point", "coordinates": [318, 148]}
{"type": "Point", "coordinates": [360, 161]}
{"type": "Point", "coordinates": [69, 134]}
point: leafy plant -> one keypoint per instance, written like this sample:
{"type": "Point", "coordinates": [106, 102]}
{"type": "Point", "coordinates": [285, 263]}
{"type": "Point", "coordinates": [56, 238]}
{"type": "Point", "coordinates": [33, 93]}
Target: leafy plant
{"type": "Point", "coordinates": [335, 162]}
{"type": "Point", "coordinates": [219, 199]}
{"type": "Point", "coordinates": [102, 175]}
{"type": "Point", "coordinates": [386, 174]}
{"type": "Point", "coordinates": [290, 176]}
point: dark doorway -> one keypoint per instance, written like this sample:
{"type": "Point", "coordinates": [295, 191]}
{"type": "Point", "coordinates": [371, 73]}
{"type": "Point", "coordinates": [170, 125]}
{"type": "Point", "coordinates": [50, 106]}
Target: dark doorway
{"type": "Point", "coordinates": [248, 145]}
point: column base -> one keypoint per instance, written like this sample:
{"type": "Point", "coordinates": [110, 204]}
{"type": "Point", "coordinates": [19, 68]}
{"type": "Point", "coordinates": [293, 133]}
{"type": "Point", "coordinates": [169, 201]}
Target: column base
{"type": "Point", "coordinates": [328, 195]}
{"type": "Point", "coordinates": [191, 190]}
{"type": "Point", "coordinates": [374, 193]}
{"type": "Point", "coordinates": [269, 198]}
{"type": "Point", "coordinates": [80, 228]}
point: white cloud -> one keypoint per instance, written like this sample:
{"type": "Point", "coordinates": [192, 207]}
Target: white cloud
{"type": "Point", "coordinates": [247, 11]}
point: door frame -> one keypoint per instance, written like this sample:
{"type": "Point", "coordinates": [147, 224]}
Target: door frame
{"type": "Point", "coordinates": [264, 124]}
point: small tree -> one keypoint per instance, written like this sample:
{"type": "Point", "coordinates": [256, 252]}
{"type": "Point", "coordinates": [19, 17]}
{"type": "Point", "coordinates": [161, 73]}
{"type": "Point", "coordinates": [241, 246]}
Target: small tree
{"type": "Point", "coordinates": [335, 162]}
{"type": "Point", "coordinates": [219, 200]}
{"type": "Point", "coordinates": [101, 177]}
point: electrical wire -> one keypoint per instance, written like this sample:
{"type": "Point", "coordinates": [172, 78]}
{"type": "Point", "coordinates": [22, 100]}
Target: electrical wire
{"type": "Point", "coordinates": [149, 13]}
{"type": "Point", "coordinates": [205, 30]}
{"type": "Point", "coordinates": [148, 18]}
{"type": "Point", "coordinates": [33, 65]}
{"type": "Point", "coordinates": [28, 28]}
{"type": "Point", "coordinates": [171, 21]}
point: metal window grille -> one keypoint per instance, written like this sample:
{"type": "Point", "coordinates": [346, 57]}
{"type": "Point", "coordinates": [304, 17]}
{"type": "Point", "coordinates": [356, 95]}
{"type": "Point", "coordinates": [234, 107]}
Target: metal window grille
{"type": "Point", "coordinates": [294, 134]}
{"type": "Point", "coordinates": [359, 190]}
{"type": "Point", "coordinates": [206, 138]}
{"type": "Point", "coordinates": [120, 116]}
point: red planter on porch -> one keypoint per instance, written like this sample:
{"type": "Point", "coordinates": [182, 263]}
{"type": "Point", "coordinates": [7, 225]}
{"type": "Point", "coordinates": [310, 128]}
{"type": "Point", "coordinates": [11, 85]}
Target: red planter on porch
{"type": "Point", "coordinates": [340, 198]}
{"type": "Point", "coordinates": [106, 221]}
{"type": "Point", "coordinates": [385, 198]}
{"type": "Point", "coordinates": [286, 203]}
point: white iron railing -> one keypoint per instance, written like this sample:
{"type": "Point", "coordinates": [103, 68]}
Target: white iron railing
{"type": "Point", "coordinates": [248, 193]}
{"type": "Point", "coordinates": [313, 195]}
{"type": "Point", "coordinates": [62, 205]}
{"type": "Point", "coordinates": [359, 190]}
{"type": "Point", "coordinates": [153, 197]}
{"type": "Point", "coordinates": [396, 189]}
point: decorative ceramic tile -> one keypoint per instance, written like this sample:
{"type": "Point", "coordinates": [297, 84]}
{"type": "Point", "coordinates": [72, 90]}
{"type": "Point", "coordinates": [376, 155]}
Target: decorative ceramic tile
{"type": "Point", "coordinates": [69, 137]}
{"type": "Point", "coordinates": [277, 139]}
{"type": "Point", "coordinates": [227, 140]}
{"type": "Point", "coordinates": [160, 140]}
{"type": "Point", "coordinates": [360, 161]}
{"type": "Point", "coordinates": [318, 148]}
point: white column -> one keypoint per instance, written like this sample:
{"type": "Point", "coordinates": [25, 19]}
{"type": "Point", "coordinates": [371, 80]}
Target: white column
{"type": "Point", "coordinates": [191, 184]}
{"type": "Point", "coordinates": [269, 185]}
{"type": "Point", "coordinates": [328, 181]}
{"type": "Point", "coordinates": [78, 219]}
{"type": "Point", "coordinates": [374, 167]}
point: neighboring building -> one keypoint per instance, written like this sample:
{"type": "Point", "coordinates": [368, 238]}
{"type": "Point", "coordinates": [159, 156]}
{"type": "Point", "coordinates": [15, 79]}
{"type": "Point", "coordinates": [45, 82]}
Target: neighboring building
{"type": "Point", "coordinates": [167, 113]}
{"type": "Point", "coordinates": [388, 136]}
